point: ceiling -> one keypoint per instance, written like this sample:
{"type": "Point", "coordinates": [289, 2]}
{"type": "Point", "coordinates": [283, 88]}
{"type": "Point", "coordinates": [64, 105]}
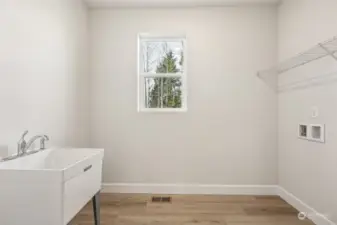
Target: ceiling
{"type": "Point", "coordinates": [175, 3]}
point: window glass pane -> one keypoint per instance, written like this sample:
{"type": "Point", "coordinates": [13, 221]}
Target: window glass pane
{"type": "Point", "coordinates": [162, 57]}
{"type": "Point", "coordinates": [163, 92]}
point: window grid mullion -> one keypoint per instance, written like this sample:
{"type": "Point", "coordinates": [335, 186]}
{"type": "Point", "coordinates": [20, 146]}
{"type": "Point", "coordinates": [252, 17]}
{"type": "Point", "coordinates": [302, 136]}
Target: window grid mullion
{"type": "Point", "coordinates": [173, 75]}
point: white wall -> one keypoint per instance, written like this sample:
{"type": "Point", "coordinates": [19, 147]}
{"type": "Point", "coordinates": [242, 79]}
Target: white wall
{"type": "Point", "coordinates": [306, 169]}
{"type": "Point", "coordinates": [228, 135]}
{"type": "Point", "coordinates": [43, 73]}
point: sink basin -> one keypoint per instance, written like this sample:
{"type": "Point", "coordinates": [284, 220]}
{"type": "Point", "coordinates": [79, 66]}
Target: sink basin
{"type": "Point", "coordinates": [49, 187]}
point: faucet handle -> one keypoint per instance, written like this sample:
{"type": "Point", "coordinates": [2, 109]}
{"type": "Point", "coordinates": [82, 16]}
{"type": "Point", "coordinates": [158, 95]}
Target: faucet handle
{"type": "Point", "coordinates": [23, 135]}
{"type": "Point", "coordinates": [22, 139]}
{"type": "Point", "coordinates": [22, 143]}
{"type": "Point", "coordinates": [43, 142]}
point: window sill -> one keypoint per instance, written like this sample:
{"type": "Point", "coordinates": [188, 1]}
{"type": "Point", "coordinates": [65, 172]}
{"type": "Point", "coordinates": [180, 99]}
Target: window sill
{"type": "Point", "coordinates": [165, 110]}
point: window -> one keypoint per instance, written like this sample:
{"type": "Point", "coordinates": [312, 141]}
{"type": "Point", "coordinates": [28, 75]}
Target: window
{"type": "Point", "coordinates": [162, 74]}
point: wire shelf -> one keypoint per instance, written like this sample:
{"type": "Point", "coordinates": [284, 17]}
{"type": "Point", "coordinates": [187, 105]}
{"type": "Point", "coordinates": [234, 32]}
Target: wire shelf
{"type": "Point", "coordinates": [328, 48]}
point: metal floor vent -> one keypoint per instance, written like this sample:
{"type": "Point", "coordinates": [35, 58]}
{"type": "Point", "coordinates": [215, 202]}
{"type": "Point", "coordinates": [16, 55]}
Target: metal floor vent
{"type": "Point", "coordinates": [157, 199]}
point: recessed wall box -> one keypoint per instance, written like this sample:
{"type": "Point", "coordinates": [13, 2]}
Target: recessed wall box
{"type": "Point", "coordinates": [317, 133]}
{"type": "Point", "coordinates": [303, 131]}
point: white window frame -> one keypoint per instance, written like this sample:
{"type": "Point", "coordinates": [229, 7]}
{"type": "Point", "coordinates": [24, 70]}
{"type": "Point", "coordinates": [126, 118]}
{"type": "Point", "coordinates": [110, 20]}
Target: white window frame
{"type": "Point", "coordinates": [141, 76]}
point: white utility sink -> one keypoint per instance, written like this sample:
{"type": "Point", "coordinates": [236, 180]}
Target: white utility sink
{"type": "Point", "coordinates": [49, 187]}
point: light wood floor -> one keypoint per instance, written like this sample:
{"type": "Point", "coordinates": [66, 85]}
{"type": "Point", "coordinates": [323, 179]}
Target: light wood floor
{"type": "Point", "coordinates": [121, 209]}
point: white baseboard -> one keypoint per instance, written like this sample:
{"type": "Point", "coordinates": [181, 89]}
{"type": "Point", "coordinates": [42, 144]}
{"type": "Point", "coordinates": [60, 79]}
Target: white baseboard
{"type": "Point", "coordinates": [190, 189]}
{"type": "Point", "coordinates": [298, 204]}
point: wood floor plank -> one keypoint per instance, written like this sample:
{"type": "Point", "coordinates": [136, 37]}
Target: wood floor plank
{"type": "Point", "coordinates": [137, 209]}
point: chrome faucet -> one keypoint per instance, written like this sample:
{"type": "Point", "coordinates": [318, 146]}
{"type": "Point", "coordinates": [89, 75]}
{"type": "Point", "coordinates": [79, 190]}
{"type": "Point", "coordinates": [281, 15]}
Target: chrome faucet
{"type": "Point", "coordinates": [23, 146]}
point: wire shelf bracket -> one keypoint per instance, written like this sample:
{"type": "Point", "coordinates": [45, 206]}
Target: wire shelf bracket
{"type": "Point", "coordinates": [332, 54]}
